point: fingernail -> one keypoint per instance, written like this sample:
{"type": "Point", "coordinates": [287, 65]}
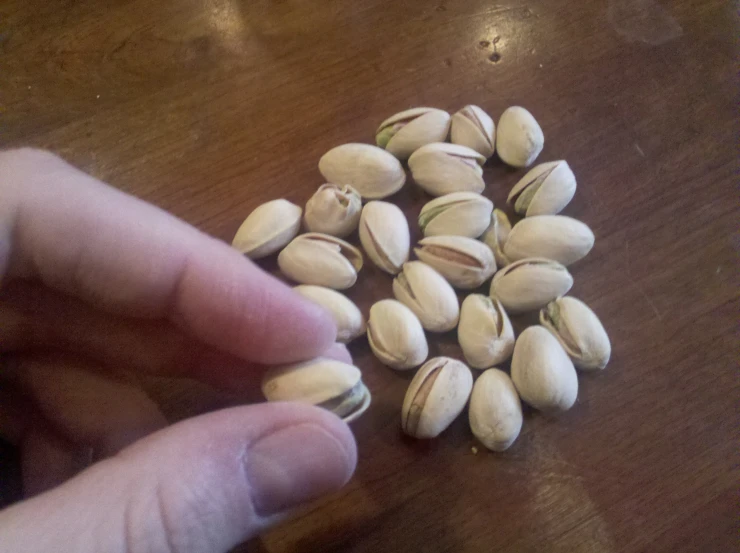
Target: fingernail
{"type": "Point", "coordinates": [295, 465]}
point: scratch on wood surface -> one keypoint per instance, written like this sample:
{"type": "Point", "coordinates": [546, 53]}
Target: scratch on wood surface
{"type": "Point", "coordinates": [636, 285]}
{"type": "Point", "coordinates": [639, 150]}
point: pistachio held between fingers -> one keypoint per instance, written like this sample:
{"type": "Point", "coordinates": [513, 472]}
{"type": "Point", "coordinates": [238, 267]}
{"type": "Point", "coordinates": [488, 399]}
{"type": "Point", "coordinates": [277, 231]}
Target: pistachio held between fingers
{"type": "Point", "coordinates": [555, 237]}
{"type": "Point", "coordinates": [370, 170]}
{"type": "Point", "coordinates": [436, 396]}
{"type": "Point", "coordinates": [542, 372]}
{"type": "Point", "coordinates": [545, 190]}
{"type": "Point", "coordinates": [268, 228]}
{"type": "Point", "coordinates": [485, 332]}
{"type": "Point", "coordinates": [405, 132]}
{"type": "Point", "coordinates": [519, 140]}
{"type": "Point", "coordinates": [327, 383]}
{"type": "Point", "coordinates": [529, 284]}
{"type": "Point", "coordinates": [442, 168]}
{"type": "Point", "coordinates": [495, 412]}
{"type": "Point", "coordinates": [396, 336]}
{"type": "Point", "coordinates": [579, 331]}
{"type": "Point", "coordinates": [428, 295]}
{"type": "Point", "coordinates": [347, 316]}
{"type": "Point", "coordinates": [457, 214]}
{"type": "Point", "coordinates": [384, 234]}
{"type": "Point", "coordinates": [333, 210]}
{"type": "Point", "coordinates": [321, 259]}
{"type": "Point", "coordinates": [465, 263]}
{"type": "Point", "coordinates": [496, 235]}
{"type": "Point", "coordinates": [474, 128]}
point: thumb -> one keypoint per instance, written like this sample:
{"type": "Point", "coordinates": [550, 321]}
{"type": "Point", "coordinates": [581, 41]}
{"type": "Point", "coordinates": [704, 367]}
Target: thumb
{"type": "Point", "coordinates": [203, 485]}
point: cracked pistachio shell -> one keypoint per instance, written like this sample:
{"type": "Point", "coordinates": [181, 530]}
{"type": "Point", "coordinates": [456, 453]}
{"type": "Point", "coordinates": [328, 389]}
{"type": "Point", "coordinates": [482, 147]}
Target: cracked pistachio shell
{"type": "Point", "coordinates": [446, 168]}
{"type": "Point", "coordinates": [579, 331]}
{"type": "Point", "coordinates": [406, 132]}
{"type": "Point", "coordinates": [495, 411]}
{"type": "Point", "coordinates": [529, 284]}
{"type": "Point", "coordinates": [542, 372]}
{"type": "Point", "coordinates": [428, 295]}
{"type": "Point", "coordinates": [496, 235]}
{"type": "Point", "coordinates": [384, 234]}
{"type": "Point", "coordinates": [519, 140]}
{"type": "Point", "coordinates": [333, 210]}
{"type": "Point", "coordinates": [396, 336]}
{"type": "Point", "coordinates": [268, 228]}
{"type": "Point", "coordinates": [347, 316]}
{"type": "Point", "coordinates": [436, 396]}
{"type": "Point", "coordinates": [370, 170]}
{"type": "Point", "coordinates": [474, 128]}
{"type": "Point", "coordinates": [485, 332]}
{"type": "Point", "coordinates": [465, 262]}
{"type": "Point", "coordinates": [326, 383]}
{"type": "Point", "coordinates": [555, 237]}
{"type": "Point", "coordinates": [459, 214]}
{"type": "Point", "coordinates": [321, 259]}
{"type": "Point", "coordinates": [545, 190]}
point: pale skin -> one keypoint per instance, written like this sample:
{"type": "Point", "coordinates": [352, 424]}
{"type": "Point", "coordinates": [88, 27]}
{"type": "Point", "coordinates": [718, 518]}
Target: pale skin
{"type": "Point", "coordinates": [95, 286]}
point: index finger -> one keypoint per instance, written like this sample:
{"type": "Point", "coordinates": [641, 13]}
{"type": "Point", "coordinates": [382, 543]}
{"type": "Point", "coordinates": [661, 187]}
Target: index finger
{"type": "Point", "coordinates": [120, 254]}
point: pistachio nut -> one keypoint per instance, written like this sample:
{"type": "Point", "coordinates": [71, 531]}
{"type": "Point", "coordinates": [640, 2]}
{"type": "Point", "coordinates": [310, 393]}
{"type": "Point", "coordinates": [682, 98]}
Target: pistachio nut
{"type": "Point", "coordinates": [333, 210]}
{"type": "Point", "coordinates": [406, 132]}
{"type": "Point", "coordinates": [465, 263]}
{"type": "Point", "coordinates": [496, 235]}
{"type": "Point", "coordinates": [519, 139]}
{"type": "Point", "coordinates": [579, 331]}
{"type": "Point", "coordinates": [384, 233]}
{"type": "Point", "coordinates": [474, 128]}
{"type": "Point", "coordinates": [545, 190]}
{"type": "Point", "coordinates": [327, 383]}
{"type": "Point", "coordinates": [321, 259]}
{"type": "Point", "coordinates": [268, 228]}
{"type": "Point", "coordinates": [396, 336]}
{"type": "Point", "coordinates": [460, 213]}
{"type": "Point", "coordinates": [485, 332]}
{"type": "Point", "coordinates": [495, 411]}
{"type": "Point", "coordinates": [370, 170]}
{"type": "Point", "coordinates": [436, 396]}
{"type": "Point", "coordinates": [555, 237]}
{"type": "Point", "coordinates": [530, 284]}
{"type": "Point", "coordinates": [347, 316]}
{"type": "Point", "coordinates": [542, 372]}
{"type": "Point", "coordinates": [428, 295]}
{"type": "Point", "coordinates": [445, 168]}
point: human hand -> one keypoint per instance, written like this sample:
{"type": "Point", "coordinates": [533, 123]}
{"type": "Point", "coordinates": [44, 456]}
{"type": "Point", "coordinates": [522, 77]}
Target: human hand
{"type": "Point", "coordinates": [93, 283]}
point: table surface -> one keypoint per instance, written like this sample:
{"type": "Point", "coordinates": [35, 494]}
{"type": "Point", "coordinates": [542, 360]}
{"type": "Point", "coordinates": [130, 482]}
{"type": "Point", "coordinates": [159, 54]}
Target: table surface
{"type": "Point", "coordinates": [210, 107]}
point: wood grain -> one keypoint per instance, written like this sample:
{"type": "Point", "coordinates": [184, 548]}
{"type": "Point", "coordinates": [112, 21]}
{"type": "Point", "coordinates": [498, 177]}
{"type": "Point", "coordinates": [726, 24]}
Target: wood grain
{"type": "Point", "coordinates": [208, 108]}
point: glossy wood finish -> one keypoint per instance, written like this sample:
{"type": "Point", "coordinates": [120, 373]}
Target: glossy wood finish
{"type": "Point", "coordinates": [210, 107]}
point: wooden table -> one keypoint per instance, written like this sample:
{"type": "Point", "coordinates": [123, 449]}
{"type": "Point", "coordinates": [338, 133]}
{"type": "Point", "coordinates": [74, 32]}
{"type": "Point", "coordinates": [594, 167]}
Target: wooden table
{"type": "Point", "coordinates": [209, 108]}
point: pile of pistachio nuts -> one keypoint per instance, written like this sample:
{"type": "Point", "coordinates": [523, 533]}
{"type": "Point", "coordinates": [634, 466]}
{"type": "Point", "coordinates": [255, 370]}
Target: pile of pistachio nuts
{"type": "Point", "coordinates": [466, 243]}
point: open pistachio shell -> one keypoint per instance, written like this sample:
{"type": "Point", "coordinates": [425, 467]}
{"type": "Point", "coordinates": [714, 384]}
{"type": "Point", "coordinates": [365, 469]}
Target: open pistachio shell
{"type": "Point", "coordinates": [268, 228]}
{"type": "Point", "coordinates": [384, 234]}
{"type": "Point", "coordinates": [458, 214]}
{"type": "Point", "coordinates": [445, 168]}
{"type": "Point", "coordinates": [428, 295]}
{"type": "Point", "coordinates": [545, 190]}
{"type": "Point", "coordinates": [579, 331]}
{"type": "Point", "coordinates": [333, 210]}
{"type": "Point", "coordinates": [436, 396]}
{"type": "Point", "coordinates": [326, 383]}
{"type": "Point", "coordinates": [485, 332]}
{"type": "Point", "coordinates": [396, 336]}
{"type": "Point", "coordinates": [465, 263]}
{"type": "Point", "coordinates": [529, 284]}
{"type": "Point", "coordinates": [496, 235]}
{"type": "Point", "coordinates": [321, 259]}
{"type": "Point", "coordinates": [405, 132]}
{"type": "Point", "coordinates": [474, 128]}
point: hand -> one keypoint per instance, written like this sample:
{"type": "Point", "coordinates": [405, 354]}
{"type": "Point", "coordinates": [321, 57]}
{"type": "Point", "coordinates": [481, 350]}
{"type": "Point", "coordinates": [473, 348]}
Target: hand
{"type": "Point", "coordinates": [95, 285]}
